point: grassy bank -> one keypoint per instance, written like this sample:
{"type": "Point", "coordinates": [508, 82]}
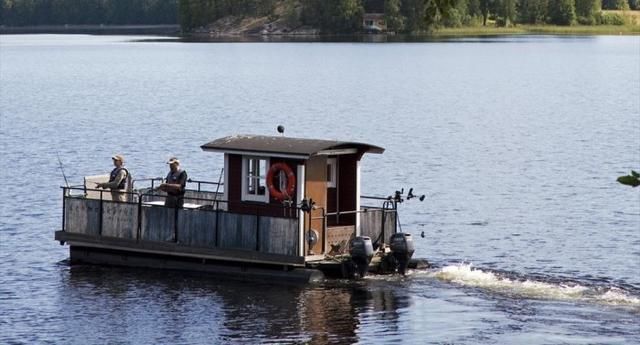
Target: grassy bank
{"type": "Point", "coordinates": [541, 29]}
{"type": "Point", "coordinates": [631, 27]}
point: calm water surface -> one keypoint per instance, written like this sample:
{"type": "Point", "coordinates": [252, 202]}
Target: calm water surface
{"type": "Point", "coordinates": [516, 141]}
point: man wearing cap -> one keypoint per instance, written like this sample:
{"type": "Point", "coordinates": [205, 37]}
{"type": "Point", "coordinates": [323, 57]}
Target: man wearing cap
{"type": "Point", "coordinates": [175, 184]}
{"type": "Point", "coordinates": [117, 179]}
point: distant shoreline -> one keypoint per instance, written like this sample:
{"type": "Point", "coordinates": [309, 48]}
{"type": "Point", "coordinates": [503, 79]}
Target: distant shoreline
{"type": "Point", "coordinates": [173, 30]}
{"type": "Point", "coordinates": [586, 30]}
{"type": "Point", "coordinates": [166, 29]}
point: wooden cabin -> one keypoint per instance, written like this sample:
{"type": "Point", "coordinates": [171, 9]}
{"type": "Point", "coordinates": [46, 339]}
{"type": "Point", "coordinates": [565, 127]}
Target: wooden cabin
{"type": "Point", "coordinates": [285, 203]}
{"type": "Point", "coordinates": [373, 18]}
{"type": "Point", "coordinates": [326, 172]}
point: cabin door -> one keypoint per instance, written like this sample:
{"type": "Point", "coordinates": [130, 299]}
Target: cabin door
{"type": "Point", "coordinates": [316, 189]}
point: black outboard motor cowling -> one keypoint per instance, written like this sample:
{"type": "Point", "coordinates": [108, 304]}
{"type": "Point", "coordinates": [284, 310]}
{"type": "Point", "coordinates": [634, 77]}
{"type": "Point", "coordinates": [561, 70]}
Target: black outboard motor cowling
{"type": "Point", "coordinates": [401, 245]}
{"type": "Point", "coordinates": [361, 250]}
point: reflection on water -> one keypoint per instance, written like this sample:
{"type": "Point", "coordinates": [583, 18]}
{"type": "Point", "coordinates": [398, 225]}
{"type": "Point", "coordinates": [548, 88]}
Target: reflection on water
{"type": "Point", "coordinates": [177, 305]}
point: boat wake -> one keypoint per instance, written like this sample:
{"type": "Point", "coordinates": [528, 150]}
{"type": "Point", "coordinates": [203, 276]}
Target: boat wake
{"type": "Point", "coordinates": [513, 285]}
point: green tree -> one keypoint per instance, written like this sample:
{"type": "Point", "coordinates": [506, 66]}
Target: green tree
{"type": "Point", "coordinates": [533, 11]}
{"type": "Point", "coordinates": [506, 10]}
{"type": "Point", "coordinates": [474, 8]}
{"type": "Point", "coordinates": [414, 14]}
{"type": "Point", "coordinates": [562, 12]}
{"type": "Point", "coordinates": [393, 16]}
{"type": "Point", "coordinates": [615, 4]}
{"type": "Point", "coordinates": [333, 16]}
{"type": "Point", "coordinates": [586, 11]}
{"type": "Point", "coordinates": [436, 10]}
{"type": "Point", "coordinates": [486, 7]}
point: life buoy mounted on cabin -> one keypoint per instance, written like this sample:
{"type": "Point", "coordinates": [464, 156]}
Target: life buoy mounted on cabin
{"type": "Point", "coordinates": [278, 194]}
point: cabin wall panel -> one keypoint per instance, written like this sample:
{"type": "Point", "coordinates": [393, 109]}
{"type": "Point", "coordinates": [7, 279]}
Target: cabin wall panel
{"type": "Point", "coordinates": [237, 231]}
{"type": "Point", "coordinates": [332, 205]}
{"type": "Point", "coordinates": [347, 182]}
{"type": "Point", "coordinates": [279, 235]}
{"type": "Point", "coordinates": [119, 219]}
{"type": "Point", "coordinates": [158, 223]}
{"type": "Point", "coordinates": [273, 208]}
{"type": "Point", "coordinates": [82, 216]}
{"type": "Point", "coordinates": [197, 228]}
{"type": "Point", "coordinates": [234, 184]}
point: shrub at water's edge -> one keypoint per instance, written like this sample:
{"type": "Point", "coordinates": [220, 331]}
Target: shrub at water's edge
{"type": "Point", "coordinates": [632, 179]}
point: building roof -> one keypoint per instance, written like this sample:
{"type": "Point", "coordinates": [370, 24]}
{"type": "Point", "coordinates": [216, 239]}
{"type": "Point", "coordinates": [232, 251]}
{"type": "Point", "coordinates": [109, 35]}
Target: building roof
{"type": "Point", "coordinates": [280, 146]}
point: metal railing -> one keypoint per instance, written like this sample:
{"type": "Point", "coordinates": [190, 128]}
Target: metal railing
{"type": "Point", "coordinates": [141, 199]}
{"type": "Point", "coordinates": [384, 210]}
{"type": "Point", "coordinates": [206, 205]}
{"type": "Point", "coordinates": [159, 180]}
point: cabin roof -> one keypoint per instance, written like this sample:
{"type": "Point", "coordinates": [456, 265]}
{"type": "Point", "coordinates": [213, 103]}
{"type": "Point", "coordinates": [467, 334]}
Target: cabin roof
{"type": "Point", "coordinates": [279, 146]}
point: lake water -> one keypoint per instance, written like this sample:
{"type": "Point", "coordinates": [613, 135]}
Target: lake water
{"type": "Point", "coordinates": [516, 141]}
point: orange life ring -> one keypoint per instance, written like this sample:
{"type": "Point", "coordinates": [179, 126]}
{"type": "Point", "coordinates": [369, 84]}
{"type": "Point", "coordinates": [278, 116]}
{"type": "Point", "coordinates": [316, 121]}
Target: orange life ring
{"type": "Point", "coordinates": [291, 181]}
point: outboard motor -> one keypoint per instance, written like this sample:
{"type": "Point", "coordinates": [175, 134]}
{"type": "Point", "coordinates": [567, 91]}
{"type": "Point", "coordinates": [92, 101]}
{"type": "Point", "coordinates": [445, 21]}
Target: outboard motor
{"type": "Point", "coordinates": [402, 248]}
{"type": "Point", "coordinates": [361, 250]}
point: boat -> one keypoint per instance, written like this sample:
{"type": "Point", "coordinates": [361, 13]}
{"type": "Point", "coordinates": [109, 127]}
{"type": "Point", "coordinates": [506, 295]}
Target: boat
{"type": "Point", "coordinates": [283, 208]}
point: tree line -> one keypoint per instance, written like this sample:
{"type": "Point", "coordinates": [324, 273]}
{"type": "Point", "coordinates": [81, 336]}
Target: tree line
{"type": "Point", "coordinates": [408, 16]}
{"type": "Point", "coordinates": [330, 16]}
{"type": "Point", "coordinates": [558, 12]}
{"type": "Point", "coordinates": [88, 12]}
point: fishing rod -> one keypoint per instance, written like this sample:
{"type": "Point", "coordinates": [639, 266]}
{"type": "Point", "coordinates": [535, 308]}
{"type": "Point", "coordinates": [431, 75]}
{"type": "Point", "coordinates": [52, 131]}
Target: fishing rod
{"type": "Point", "coordinates": [62, 170]}
{"type": "Point", "coordinates": [215, 196]}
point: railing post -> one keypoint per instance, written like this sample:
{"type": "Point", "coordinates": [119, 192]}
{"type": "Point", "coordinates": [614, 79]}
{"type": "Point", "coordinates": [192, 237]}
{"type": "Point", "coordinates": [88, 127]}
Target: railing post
{"type": "Point", "coordinates": [382, 227]}
{"type": "Point", "coordinates": [100, 218]}
{"type": "Point", "coordinates": [217, 234]}
{"type": "Point", "coordinates": [139, 229]}
{"type": "Point", "coordinates": [395, 219]}
{"type": "Point", "coordinates": [64, 209]}
{"type": "Point", "coordinates": [324, 231]}
{"type": "Point", "coordinates": [175, 224]}
{"type": "Point", "coordinates": [258, 229]}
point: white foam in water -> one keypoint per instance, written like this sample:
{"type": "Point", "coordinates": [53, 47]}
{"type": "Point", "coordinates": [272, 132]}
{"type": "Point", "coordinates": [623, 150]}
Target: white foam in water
{"type": "Point", "coordinates": [616, 296]}
{"type": "Point", "coordinates": [465, 275]}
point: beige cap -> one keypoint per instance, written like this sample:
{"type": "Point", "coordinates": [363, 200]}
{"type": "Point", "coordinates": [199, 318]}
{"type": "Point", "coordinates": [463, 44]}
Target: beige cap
{"type": "Point", "coordinates": [118, 158]}
{"type": "Point", "coordinates": [173, 160]}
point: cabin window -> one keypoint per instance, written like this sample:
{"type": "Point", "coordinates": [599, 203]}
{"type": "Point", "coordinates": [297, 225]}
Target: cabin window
{"type": "Point", "coordinates": [254, 178]}
{"type": "Point", "coordinates": [331, 172]}
{"type": "Point", "coordinates": [368, 22]}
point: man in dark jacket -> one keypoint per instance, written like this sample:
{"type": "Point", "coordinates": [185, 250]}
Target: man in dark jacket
{"type": "Point", "coordinates": [117, 180]}
{"type": "Point", "coordinates": [175, 184]}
